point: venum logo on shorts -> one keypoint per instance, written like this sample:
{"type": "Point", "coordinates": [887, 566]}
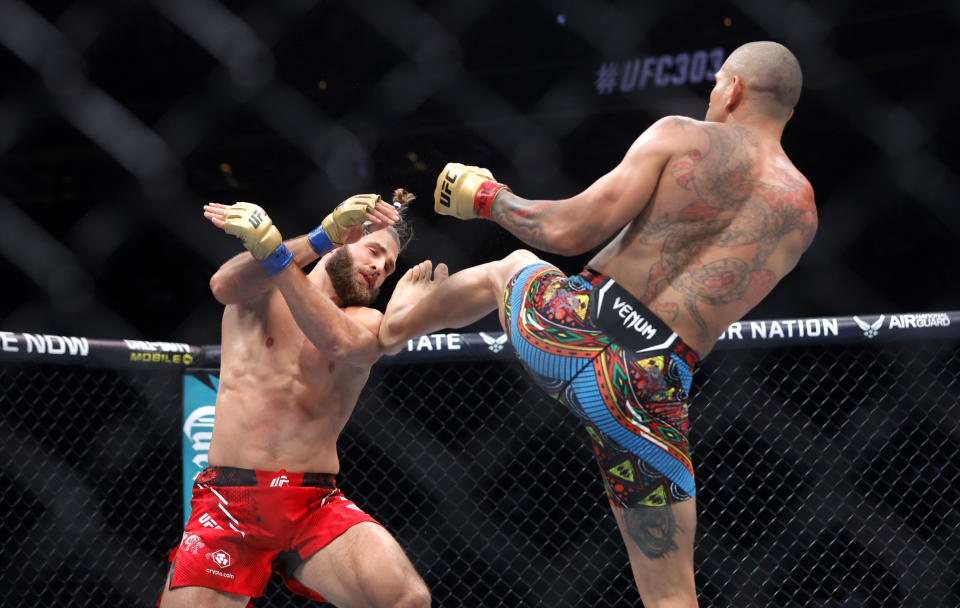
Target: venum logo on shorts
{"type": "Point", "coordinates": [279, 481]}
{"type": "Point", "coordinates": [494, 344]}
{"type": "Point", "coordinates": [627, 320]}
{"type": "Point", "coordinates": [632, 319]}
{"type": "Point", "coordinates": [869, 329]}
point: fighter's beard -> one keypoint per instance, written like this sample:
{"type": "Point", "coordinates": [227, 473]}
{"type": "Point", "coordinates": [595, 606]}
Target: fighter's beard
{"type": "Point", "coordinates": [343, 276]}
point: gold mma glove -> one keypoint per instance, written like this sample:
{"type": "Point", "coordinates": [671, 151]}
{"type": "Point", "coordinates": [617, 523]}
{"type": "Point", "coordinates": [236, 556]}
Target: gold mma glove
{"type": "Point", "coordinates": [253, 227]}
{"type": "Point", "coordinates": [465, 191]}
{"type": "Point", "coordinates": [351, 213]}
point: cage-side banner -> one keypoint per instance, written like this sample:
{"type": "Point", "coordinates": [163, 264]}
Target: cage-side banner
{"type": "Point", "coordinates": [451, 346]}
{"type": "Point", "coordinates": [761, 333]}
{"type": "Point", "coordinates": [90, 352]}
{"type": "Point", "coordinates": [199, 397]}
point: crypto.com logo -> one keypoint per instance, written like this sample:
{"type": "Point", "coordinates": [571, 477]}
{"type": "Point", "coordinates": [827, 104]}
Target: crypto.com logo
{"type": "Point", "coordinates": [869, 329]}
{"type": "Point", "coordinates": [221, 558]}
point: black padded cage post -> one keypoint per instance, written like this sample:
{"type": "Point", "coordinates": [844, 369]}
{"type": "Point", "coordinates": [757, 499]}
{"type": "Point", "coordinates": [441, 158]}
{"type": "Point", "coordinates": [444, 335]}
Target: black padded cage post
{"type": "Point", "coordinates": [827, 454]}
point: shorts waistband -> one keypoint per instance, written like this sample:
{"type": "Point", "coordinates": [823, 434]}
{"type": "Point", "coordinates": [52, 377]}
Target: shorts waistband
{"type": "Point", "coordinates": [592, 276]}
{"type": "Point", "coordinates": [233, 476]}
{"type": "Point", "coordinates": [628, 321]}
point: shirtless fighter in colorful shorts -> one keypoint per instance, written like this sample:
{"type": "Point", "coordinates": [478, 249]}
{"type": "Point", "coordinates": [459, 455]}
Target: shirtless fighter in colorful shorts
{"type": "Point", "coordinates": [709, 216]}
{"type": "Point", "coordinates": [297, 350]}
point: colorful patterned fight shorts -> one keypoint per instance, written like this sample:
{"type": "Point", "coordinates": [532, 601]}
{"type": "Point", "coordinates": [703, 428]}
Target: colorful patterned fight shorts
{"type": "Point", "coordinates": [591, 345]}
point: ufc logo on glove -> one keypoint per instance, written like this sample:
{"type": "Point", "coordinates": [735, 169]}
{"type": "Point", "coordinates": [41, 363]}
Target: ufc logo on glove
{"type": "Point", "coordinates": [445, 192]}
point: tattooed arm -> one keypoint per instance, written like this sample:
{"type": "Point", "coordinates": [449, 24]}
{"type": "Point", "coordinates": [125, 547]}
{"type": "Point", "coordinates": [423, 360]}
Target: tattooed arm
{"type": "Point", "coordinates": [577, 224]}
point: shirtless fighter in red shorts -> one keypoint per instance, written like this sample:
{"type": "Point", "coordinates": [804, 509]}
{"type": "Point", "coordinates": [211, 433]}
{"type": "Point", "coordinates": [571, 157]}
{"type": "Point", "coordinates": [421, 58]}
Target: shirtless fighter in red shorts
{"type": "Point", "coordinates": [297, 350]}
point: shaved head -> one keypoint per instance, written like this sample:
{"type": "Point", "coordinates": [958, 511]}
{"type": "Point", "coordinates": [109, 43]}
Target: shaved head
{"type": "Point", "coordinates": [769, 70]}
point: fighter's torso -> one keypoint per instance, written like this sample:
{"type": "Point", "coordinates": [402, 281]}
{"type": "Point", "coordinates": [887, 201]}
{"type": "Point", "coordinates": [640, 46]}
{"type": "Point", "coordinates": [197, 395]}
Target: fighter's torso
{"type": "Point", "coordinates": [729, 218]}
{"type": "Point", "coordinates": [281, 403]}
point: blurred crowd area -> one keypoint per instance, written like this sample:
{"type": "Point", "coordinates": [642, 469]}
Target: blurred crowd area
{"type": "Point", "coordinates": [119, 119]}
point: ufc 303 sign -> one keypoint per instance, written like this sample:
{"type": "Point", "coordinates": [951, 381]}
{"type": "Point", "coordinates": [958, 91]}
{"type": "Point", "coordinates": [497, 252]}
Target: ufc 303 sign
{"type": "Point", "coordinates": [658, 71]}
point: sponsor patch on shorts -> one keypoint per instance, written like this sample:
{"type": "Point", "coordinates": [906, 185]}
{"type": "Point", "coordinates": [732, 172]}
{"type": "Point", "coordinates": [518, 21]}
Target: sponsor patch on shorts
{"type": "Point", "coordinates": [628, 321]}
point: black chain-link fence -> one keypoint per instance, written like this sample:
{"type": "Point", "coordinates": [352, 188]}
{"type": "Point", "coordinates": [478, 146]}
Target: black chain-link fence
{"type": "Point", "coordinates": [89, 483]}
{"type": "Point", "coordinates": [827, 477]}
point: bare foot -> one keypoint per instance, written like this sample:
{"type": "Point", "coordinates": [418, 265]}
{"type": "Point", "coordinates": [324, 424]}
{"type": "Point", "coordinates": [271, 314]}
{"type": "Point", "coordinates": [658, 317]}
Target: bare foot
{"type": "Point", "coordinates": [417, 283]}
{"type": "Point", "coordinates": [400, 318]}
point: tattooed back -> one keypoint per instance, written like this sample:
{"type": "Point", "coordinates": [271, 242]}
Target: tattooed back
{"type": "Point", "coordinates": [727, 219]}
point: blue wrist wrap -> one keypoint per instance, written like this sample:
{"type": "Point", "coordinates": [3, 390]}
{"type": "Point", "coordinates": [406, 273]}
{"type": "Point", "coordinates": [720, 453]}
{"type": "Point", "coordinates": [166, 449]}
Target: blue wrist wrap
{"type": "Point", "coordinates": [320, 242]}
{"type": "Point", "coordinates": [278, 260]}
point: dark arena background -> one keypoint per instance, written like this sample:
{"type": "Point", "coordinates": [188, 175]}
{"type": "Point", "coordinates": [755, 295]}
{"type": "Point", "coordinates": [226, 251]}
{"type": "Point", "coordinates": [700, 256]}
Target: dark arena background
{"type": "Point", "coordinates": [825, 426]}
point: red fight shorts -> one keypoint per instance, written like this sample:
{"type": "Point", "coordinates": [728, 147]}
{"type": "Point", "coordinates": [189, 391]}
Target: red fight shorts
{"type": "Point", "coordinates": [246, 524]}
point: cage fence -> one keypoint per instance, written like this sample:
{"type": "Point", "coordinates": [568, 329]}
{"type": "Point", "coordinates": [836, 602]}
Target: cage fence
{"type": "Point", "coordinates": [827, 476]}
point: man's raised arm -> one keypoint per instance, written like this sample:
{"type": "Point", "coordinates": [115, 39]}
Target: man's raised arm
{"type": "Point", "coordinates": [271, 262]}
{"type": "Point", "coordinates": [241, 279]}
{"type": "Point", "coordinates": [569, 226]}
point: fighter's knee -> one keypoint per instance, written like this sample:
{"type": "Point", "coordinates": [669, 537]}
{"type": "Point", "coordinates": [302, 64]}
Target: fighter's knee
{"type": "Point", "coordinates": [521, 257]}
{"type": "Point", "coordinates": [513, 263]}
{"type": "Point", "coordinates": [415, 595]}
{"type": "Point", "coordinates": [501, 271]}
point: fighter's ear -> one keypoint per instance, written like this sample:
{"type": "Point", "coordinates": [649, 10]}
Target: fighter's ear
{"type": "Point", "coordinates": [735, 94]}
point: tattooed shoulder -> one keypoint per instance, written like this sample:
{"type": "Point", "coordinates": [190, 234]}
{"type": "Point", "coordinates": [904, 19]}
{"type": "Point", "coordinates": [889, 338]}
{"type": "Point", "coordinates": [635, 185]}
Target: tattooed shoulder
{"type": "Point", "coordinates": [683, 121]}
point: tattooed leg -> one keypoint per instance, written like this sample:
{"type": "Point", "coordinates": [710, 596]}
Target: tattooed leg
{"type": "Point", "coordinates": [653, 529]}
{"type": "Point", "coordinates": [659, 541]}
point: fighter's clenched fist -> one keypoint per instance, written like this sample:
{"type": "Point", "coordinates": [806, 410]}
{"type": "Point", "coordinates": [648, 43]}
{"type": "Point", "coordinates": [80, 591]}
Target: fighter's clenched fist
{"type": "Point", "coordinates": [465, 191]}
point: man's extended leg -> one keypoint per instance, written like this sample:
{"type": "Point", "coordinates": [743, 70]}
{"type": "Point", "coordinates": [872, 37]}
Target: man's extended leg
{"type": "Point", "coordinates": [364, 567]}
{"type": "Point", "coordinates": [422, 304]}
{"type": "Point", "coordinates": [637, 411]}
{"type": "Point", "coordinates": [659, 542]}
